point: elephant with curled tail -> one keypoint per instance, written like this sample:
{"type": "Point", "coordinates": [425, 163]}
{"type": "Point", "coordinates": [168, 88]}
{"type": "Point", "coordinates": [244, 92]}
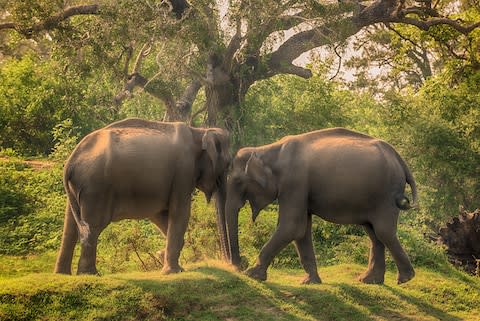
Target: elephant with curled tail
{"type": "Point", "coordinates": [342, 176]}
{"type": "Point", "coordinates": [136, 169]}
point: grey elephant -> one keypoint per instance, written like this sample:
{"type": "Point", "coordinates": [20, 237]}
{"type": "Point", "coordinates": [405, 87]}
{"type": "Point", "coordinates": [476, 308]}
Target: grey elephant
{"type": "Point", "coordinates": [136, 169]}
{"type": "Point", "coordinates": [342, 176]}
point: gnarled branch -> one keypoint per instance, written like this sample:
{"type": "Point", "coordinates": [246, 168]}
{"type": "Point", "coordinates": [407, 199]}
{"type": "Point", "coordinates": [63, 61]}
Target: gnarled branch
{"type": "Point", "coordinates": [425, 25]}
{"type": "Point", "coordinates": [281, 60]}
{"type": "Point", "coordinates": [52, 22]}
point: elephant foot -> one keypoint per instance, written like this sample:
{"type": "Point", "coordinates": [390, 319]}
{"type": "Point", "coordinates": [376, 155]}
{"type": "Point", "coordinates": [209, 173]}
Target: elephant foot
{"type": "Point", "coordinates": [312, 279]}
{"type": "Point", "coordinates": [169, 269]}
{"type": "Point", "coordinates": [62, 270]}
{"type": "Point", "coordinates": [88, 272]}
{"type": "Point", "coordinates": [371, 277]}
{"type": "Point", "coordinates": [405, 276]}
{"type": "Point", "coordinates": [86, 268]}
{"type": "Point", "coordinates": [257, 273]}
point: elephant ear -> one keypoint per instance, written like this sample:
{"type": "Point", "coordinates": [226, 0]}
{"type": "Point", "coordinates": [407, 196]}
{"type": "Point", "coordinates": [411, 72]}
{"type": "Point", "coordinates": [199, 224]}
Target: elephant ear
{"type": "Point", "coordinates": [209, 145]}
{"type": "Point", "coordinates": [256, 170]}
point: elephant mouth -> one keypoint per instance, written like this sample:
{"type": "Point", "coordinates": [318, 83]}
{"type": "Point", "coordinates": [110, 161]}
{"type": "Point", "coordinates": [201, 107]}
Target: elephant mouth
{"type": "Point", "coordinates": [210, 189]}
{"type": "Point", "coordinates": [219, 182]}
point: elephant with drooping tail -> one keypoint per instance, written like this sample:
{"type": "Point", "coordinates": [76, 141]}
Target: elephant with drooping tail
{"type": "Point", "coordinates": [342, 176]}
{"type": "Point", "coordinates": [136, 169]}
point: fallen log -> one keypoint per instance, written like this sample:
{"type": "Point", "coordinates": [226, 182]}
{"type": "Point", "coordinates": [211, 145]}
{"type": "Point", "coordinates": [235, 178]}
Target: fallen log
{"type": "Point", "coordinates": [461, 235]}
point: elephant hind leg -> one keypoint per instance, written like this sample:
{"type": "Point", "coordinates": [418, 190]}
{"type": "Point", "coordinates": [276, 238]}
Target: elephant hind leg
{"type": "Point", "coordinates": [97, 217]}
{"type": "Point", "coordinates": [88, 252]}
{"type": "Point", "coordinates": [386, 231]}
{"type": "Point", "coordinates": [376, 261]}
{"type": "Point", "coordinates": [69, 240]}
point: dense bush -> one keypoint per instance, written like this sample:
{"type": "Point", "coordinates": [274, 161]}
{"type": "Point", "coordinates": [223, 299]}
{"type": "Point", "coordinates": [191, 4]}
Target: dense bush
{"type": "Point", "coordinates": [14, 201]}
{"type": "Point", "coordinates": [32, 204]}
{"type": "Point", "coordinates": [36, 95]}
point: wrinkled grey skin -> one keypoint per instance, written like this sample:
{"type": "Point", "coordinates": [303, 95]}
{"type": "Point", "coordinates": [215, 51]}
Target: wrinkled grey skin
{"type": "Point", "coordinates": [340, 175]}
{"type": "Point", "coordinates": [135, 169]}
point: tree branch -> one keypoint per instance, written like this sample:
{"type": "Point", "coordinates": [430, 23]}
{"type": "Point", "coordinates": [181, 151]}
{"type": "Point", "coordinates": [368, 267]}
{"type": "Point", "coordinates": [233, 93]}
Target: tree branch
{"type": "Point", "coordinates": [185, 102]}
{"type": "Point", "coordinates": [421, 11]}
{"type": "Point", "coordinates": [281, 60]}
{"type": "Point", "coordinates": [425, 25]}
{"type": "Point", "coordinates": [178, 7]}
{"type": "Point", "coordinates": [52, 21]}
{"type": "Point", "coordinates": [145, 51]}
{"type": "Point", "coordinates": [292, 70]}
{"type": "Point", "coordinates": [233, 46]}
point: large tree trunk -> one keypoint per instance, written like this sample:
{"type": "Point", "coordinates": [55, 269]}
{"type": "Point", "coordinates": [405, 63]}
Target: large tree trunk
{"type": "Point", "coordinates": [220, 92]}
{"type": "Point", "coordinates": [461, 235]}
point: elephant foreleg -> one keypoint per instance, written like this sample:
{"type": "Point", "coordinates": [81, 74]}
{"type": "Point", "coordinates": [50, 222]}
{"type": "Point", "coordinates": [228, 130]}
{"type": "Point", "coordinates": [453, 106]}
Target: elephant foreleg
{"type": "Point", "coordinates": [161, 221]}
{"type": "Point", "coordinates": [69, 239]}
{"type": "Point", "coordinates": [376, 261]}
{"type": "Point", "coordinates": [179, 214]}
{"type": "Point", "coordinates": [291, 226]}
{"type": "Point", "coordinates": [306, 254]}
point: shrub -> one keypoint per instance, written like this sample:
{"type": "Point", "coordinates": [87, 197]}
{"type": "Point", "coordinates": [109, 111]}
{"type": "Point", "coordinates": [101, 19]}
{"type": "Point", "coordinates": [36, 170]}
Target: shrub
{"type": "Point", "coordinates": [31, 208]}
{"type": "Point", "coordinates": [130, 245]}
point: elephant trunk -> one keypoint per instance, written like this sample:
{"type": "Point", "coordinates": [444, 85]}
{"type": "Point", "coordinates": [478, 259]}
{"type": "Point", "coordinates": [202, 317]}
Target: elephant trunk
{"type": "Point", "coordinates": [232, 210]}
{"type": "Point", "coordinates": [220, 197]}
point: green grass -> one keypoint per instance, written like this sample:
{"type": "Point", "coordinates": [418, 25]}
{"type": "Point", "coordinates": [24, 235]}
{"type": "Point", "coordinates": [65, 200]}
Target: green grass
{"type": "Point", "coordinates": [211, 290]}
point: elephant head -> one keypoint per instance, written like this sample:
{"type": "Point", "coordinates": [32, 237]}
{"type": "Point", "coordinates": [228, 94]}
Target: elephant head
{"type": "Point", "coordinates": [251, 179]}
{"type": "Point", "coordinates": [214, 160]}
{"type": "Point", "coordinates": [211, 176]}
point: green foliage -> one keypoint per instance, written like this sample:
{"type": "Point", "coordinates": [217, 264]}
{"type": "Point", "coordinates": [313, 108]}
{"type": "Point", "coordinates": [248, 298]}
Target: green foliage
{"type": "Point", "coordinates": [407, 56]}
{"type": "Point", "coordinates": [14, 201]}
{"type": "Point", "coordinates": [34, 99]}
{"type": "Point", "coordinates": [32, 208]}
{"type": "Point", "coordinates": [129, 245]}
{"type": "Point", "coordinates": [286, 105]}
{"type": "Point", "coordinates": [28, 101]}
{"type": "Point", "coordinates": [440, 137]}
{"type": "Point", "coordinates": [65, 140]}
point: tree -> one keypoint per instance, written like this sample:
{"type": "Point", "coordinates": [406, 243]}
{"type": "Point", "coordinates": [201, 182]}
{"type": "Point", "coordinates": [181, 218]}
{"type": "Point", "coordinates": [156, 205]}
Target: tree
{"type": "Point", "coordinates": [407, 56]}
{"type": "Point", "coordinates": [224, 54]}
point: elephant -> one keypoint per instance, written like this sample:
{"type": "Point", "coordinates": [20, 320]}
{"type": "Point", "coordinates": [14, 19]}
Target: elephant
{"type": "Point", "coordinates": [140, 169]}
{"type": "Point", "coordinates": [342, 176]}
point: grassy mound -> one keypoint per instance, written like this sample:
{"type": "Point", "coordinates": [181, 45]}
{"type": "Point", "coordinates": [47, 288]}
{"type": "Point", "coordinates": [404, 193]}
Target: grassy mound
{"type": "Point", "coordinates": [213, 291]}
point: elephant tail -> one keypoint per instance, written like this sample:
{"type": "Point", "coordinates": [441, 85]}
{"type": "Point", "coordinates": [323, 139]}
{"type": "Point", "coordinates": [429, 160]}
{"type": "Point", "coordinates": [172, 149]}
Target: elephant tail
{"type": "Point", "coordinates": [83, 228]}
{"type": "Point", "coordinates": [401, 200]}
{"type": "Point", "coordinates": [413, 186]}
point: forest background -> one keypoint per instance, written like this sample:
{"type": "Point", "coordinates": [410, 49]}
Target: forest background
{"type": "Point", "coordinates": [404, 71]}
